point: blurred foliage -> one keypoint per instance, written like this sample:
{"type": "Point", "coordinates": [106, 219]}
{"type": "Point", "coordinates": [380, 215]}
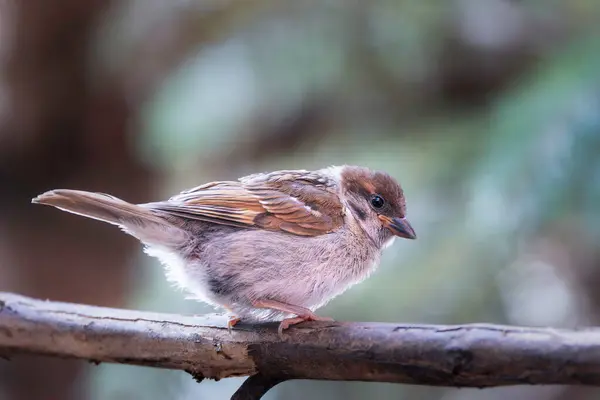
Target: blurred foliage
{"type": "Point", "coordinates": [487, 111]}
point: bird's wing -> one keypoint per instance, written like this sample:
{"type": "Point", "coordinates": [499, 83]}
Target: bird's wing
{"type": "Point", "coordinates": [298, 202]}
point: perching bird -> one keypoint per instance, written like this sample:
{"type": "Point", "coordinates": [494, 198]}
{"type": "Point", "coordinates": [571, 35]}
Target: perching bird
{"type": "Point", "coordinates": [269, 246]}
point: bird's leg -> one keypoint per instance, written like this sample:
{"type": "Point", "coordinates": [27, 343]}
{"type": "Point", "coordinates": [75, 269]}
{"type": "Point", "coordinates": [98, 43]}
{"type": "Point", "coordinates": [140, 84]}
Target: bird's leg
{"type": "Point", "coordinates": [232, 319]}
{"type": "Point", "coordinates": [303, 314]}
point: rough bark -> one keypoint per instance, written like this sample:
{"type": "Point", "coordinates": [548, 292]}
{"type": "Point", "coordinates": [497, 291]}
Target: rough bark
{"type": "Point", "coordinates": [476, 355]}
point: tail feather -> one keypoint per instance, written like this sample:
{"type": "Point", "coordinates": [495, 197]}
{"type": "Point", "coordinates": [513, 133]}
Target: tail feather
{"type": "Point", "coordinates": [99, 206]}
{"type": "Point", "coordinates": [136, 220]}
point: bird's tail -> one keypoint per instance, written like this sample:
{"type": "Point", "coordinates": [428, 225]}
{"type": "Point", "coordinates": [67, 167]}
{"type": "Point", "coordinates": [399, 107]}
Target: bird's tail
{"type": "Point", "coordinates": [136, 220]}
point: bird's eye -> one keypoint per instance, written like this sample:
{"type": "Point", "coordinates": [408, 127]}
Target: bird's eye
{"type": "Point", "coordinates": [377, 201]}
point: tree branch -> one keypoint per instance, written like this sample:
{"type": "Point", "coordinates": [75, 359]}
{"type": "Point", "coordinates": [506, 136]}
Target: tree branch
{"type": "Point", "coordinates": [256, 386]}
{"type": "Point", "coordinates": [476, 355]}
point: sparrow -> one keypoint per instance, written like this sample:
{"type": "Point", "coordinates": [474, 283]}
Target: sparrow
{"type": "Point", "coordinates": [268, 247]}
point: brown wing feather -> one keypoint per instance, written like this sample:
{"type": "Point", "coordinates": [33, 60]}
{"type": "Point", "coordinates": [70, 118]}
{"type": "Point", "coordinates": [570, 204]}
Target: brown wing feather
{"type": "Point", "coordinates": [298, 202]}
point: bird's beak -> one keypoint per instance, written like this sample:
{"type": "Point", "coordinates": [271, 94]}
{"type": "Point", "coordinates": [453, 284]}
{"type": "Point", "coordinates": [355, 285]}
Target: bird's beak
{"type": "Point", "coordinates": [399, 227]}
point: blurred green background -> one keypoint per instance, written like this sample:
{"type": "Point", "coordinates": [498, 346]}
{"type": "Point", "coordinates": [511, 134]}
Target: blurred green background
{"type": "Point", "coordinates": [487, 112]}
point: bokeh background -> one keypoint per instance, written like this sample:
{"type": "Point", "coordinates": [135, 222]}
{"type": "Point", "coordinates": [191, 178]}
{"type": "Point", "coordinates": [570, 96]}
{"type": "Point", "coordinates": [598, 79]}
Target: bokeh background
{"type": "Point", "coordinates": [487, 111]}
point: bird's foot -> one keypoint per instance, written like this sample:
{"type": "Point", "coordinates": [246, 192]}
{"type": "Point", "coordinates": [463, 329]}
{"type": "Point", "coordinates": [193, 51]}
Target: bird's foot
{"type": "Point", "coordinates": [286, 323]}
{"type": "Point", "coordinates": [232, 322]}
{"type": "Point", "coordinates": [303, 314]}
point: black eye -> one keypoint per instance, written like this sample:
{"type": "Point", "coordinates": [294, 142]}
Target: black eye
{"type": "Point", "coordinates": [377, 201]}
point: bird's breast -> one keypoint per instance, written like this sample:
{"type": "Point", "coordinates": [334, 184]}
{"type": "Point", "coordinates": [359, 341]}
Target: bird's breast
{"type": "Point", "coordinates": [308, 271]}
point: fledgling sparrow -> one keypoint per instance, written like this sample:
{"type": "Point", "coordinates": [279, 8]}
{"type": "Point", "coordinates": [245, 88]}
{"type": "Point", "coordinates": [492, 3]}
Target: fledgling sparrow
{"type": "Point", "coordinates": [269, 246]}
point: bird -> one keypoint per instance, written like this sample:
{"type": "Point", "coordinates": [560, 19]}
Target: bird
{"type": "Point", "coordinates": [271, 246]}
